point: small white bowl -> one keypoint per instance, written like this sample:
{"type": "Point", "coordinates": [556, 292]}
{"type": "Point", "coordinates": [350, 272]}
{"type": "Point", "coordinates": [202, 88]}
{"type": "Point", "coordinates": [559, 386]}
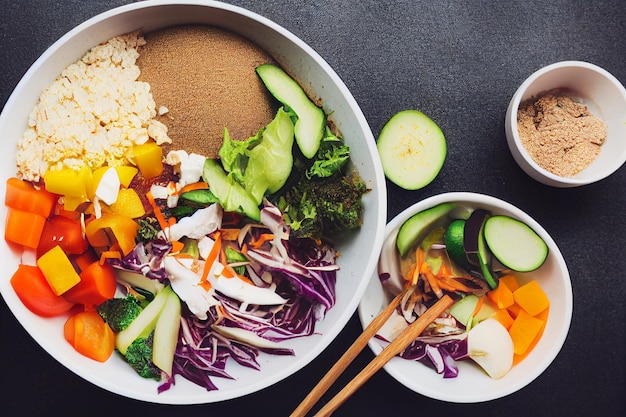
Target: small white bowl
{"type": "Point", "coordinates": [604, 96]}
{"type": "Point", "coordinates": [473, 385]}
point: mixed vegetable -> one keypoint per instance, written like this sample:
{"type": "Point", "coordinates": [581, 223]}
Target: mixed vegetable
{"type": "Point", "coordinates": [181, 263]}
{"type": "Point", "coordinates": [473, 256]}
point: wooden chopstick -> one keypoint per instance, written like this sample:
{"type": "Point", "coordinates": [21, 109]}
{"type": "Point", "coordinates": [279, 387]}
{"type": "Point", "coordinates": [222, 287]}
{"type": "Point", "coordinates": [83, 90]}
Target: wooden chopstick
{"type": "Point", "coordinates": [347, 358]}
{"type": "Point", "coordinates": [394, 348]}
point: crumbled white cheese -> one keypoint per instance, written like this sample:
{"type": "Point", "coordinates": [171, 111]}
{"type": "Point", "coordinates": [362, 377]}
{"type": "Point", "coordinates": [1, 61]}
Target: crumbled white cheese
{"type": "Point", "coordinates": [198, 225]}
{"type": "Point", "coordinates": [92, 114]}
{"type": "Point", "coordinates": [188, 166]}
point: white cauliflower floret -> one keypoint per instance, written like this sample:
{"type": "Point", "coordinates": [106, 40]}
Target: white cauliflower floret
{"type": "Point", "coordinates": [92, 114]}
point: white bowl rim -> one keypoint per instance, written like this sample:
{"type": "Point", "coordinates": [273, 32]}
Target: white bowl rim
{"type": "Point", "coordinates": [512, 120]}
{"type": "Point", "coordinates": [393, 368]}
{"type": "Point", "coordinates": [215, 396]}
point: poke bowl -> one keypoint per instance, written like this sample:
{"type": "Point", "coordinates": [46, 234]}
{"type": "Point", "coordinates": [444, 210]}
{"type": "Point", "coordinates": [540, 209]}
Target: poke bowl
{"type": "Point", "coordinates": [462, 379]}
{"type": "Point", "coordinates": [321, 84]}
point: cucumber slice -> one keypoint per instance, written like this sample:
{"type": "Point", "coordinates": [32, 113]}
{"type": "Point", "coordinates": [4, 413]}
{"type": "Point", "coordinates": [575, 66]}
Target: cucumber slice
{"type": "Point", "coordinates": [166, 334]}
{"type": "Point", "coordinates": [417, 226]}
{"type": "Point", "coordinates": [412, 149]}
{"type": "Point", "coordinates": [144, 323]}
{"type": "Point", "coordinates": [484, 260]}
{"type": "Point", "coordinates": [233, 197]}
{"type": "Point", "coordinates": [310, 126]}
{"type": "Point", "coordinates": [514, 243]}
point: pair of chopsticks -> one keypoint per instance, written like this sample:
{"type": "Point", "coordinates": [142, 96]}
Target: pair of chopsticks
{"type": "Point", "coordinates": [391, 350]}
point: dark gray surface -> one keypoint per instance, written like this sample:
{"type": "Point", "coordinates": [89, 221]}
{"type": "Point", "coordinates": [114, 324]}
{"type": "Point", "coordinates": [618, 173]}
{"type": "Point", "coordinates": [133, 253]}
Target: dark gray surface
{"type": "Point", "coordinates": [459, 62]}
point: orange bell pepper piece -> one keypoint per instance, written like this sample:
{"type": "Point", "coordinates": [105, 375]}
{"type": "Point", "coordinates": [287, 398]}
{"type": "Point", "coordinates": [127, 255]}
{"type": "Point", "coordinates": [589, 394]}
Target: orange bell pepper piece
{"type": "Point", "coordinates": [111, 229]}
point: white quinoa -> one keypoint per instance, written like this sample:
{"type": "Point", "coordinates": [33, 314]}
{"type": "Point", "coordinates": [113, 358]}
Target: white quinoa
{"type": "Point", "coordinates": [92, 114]}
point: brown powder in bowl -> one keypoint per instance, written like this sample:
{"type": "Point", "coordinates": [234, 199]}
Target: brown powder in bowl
{"type": "Point", "coordinates": [204, 76]}
{"type": "Point", "coordinates": [559, 133]}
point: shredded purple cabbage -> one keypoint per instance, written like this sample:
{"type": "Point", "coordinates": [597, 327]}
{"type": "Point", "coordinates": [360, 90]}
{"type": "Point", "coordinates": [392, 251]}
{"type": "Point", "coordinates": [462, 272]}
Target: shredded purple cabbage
{"type": "Point", "coordinates": [439, 354]}
{"type": "Point", "coordinates": [146, 259]}
{"type": "Point", "coordinates": [303, 272]}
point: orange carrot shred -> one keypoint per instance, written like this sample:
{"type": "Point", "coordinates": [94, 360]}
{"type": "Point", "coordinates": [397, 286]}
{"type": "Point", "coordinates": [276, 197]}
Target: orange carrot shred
{"type": "Point", "coordinates": [262, 239]}
{"type": "Point", "coordinates": [109, 254]}
{"type": "Point", "coordinates": [177, 246]}
{"type": "Point", "coordinates": [230, 234]}
{"type": "Point", "coordinates": [200, 185]}
{"type": "Point", "coordinates": [213, 254]}
{"type": "Point", "coordinates": [157, 211]}
{"type": "Point", "coordinates": [479, 305]}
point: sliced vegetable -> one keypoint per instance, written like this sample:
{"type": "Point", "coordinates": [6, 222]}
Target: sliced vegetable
{"type": "Point", "coordinates": [112, 229]}
{"type": "Point", "coordinates": [310, 125]}
{"type": "Point", "coordinates": [420, 224]}
{"type": "Point", "coordinates": [454, 243]}
{"type": "Point", "coordinates": [90, 335]}
{"type": "Point", "coordinates": [69, 181]}
{"type": "Point", "coordinates": [58, 270]}
{"type": "Point", "coordinates": [64, 232]}
{"type": "Point", "coordinates": [22, 195]}
{"type": "Point", "coordinates": [515, 244]}
{"type": "Point", "coordinates": [489, 345]}
{"type": "Point", "coordinates": [501, 296]}
{"type": "Point", "coordinates": [148, 158]}
{"type": "Point", "coordinates": [412, 149]}
{"type": "Point", "coordinates": [128, 204]}
{"type": "Point", "coordinates": [531, 298]}
{"type": "Point", "coordinates": [524, 330]}
{"type": "Point", "coordinates": [166, 334]}
{"type": "Point", "coordinates": [36, 294]}
{"type": "Point", "coordinates": [232, 196]}
{"type": "Point", "coordinates": [23, 228]}
{"type": "Point", "coordinates": [145, 323]}
{"type": "Point", "coordinates": [97, 284]}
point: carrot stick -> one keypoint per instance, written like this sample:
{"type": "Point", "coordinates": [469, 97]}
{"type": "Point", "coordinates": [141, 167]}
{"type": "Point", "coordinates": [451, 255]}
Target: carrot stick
{"type": "Point", "coordinates": [211, 258]}
{"type": "Point", "coordinates": [157, 211]}
{"type": "Point", "coordinates": [200, 185]}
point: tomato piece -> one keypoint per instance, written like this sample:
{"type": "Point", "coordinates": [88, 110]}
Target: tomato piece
{"type": "Point", "coordinates": [97, 284]}
{"type": "Point", "coordinates": [33, 290]}
{"type": "Point", "coordinates": [64, 232]}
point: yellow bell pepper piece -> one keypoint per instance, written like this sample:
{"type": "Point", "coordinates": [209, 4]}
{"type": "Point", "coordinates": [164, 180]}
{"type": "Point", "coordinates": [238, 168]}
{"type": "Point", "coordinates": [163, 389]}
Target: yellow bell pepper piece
{"type": "Point", "coordinates": [128, 204]}
{"type": "Point", "coordinates": [112, 231]}
{"type": "Point", "coordinates": [126, 174]}
{"type": "Point", "coordinates": [148, 158]}
{"type": "Point", "coordinates": [58, 270]}
{"type": "Point", "coordinates": [69, 181]}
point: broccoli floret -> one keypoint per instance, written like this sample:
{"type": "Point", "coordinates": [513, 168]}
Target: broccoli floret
{"type": "Point", "coordinates": [119, 312]}
{"type": "Point", "coordinates": [148, 229]}
{"type": "Point", "coordinates": [323, 207]}
{"type": "Point", "coordinates": [139, 356]}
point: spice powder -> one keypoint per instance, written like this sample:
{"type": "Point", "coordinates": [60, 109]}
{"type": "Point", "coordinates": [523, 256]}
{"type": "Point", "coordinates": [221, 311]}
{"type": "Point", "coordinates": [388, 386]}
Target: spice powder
{"type": "Point", "coordinates": [203, 79]}
{"type": "Point", "coordinates": [559, 133]}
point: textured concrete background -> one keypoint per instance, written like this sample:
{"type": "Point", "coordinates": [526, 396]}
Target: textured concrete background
{"type": "Point", "coordinates": [459, 62]}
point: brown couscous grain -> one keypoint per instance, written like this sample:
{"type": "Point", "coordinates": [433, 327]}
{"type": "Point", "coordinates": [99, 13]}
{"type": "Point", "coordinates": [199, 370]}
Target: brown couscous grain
{"type": "Point", "coordinates": [203, 80]}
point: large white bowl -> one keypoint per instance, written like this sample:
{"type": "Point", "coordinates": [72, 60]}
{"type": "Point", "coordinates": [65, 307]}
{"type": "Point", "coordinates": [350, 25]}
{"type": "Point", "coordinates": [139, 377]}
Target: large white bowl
{"type": "Point", "coordinates": [472, 385]}
{"type": "Point", "coordinates": [359, 252]}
